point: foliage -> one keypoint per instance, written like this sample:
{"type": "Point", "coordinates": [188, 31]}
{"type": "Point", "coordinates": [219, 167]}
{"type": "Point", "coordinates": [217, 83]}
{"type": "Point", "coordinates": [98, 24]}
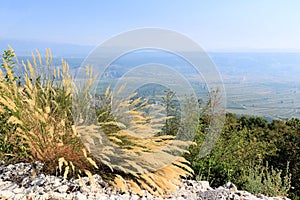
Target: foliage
{"type": "Point", "coordinates": [172, 111]}
{"type": "Point", "coordinates": [286, 135]}
{"type": "Point", "coordinates": [244, 144]}
{"type": "Point", "coordinates": [266, 180]}
{"type": "Point", "coordinates": [236, 148]}
{"type": "Point", "coordinates": [37, 122]}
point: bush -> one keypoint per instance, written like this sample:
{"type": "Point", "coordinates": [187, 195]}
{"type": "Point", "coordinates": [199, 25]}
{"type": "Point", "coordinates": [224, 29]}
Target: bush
{"type": "Point", "coordinates": [244, 144]}
{"type": "Point", "coordinates": [236, 148]}
{"type": "Point", "coordinates": [267, 180]}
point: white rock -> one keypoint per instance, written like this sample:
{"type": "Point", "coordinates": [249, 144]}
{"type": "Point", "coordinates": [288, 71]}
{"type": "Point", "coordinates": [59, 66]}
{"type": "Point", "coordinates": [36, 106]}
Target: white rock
{"type": "Point", "coordinates": [102, 197]}
{"type": "Point", "coordinates": [232, 188]}
{"type": "Point", "coordinates": [38, 181]}
{"type": "Point", "coordinates": [134, 197]}
{"type": "Point", "coordinates": [31, 195]}
{"type": "Point", "coordinates": [18, 190]}
{"type": "Point", "coordinates": [80, 196]}
{"type": "Point", "coordinates": [56, 182]}
{"type": "Point", "coordinates": [4, 184]}
{"type": "Point", "coordinates": [10, 186]}
{"type": "Point", "coordinates": [20, 196]}
{"type": "Point", "coordinates": [63, 188]}
{"type": "Point", "coordinates": [204, 184]}
{"type": "Point", "coordinates": [44, 196]}
{"type": "Point", "coordinates": [114, 197]}
{"type": "Point", "coordinates": [57, 195]}
{"type": "Point", "coordinates": [6, 194]}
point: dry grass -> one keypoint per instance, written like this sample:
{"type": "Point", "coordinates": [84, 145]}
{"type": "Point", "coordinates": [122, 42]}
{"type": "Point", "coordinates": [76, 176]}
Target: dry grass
{"type": "Point", "coordinates": [39, 114]}
{"type": "Point", "coordinates": [124, 138]}
{"type": "Point", "coordinates": [127, 140]}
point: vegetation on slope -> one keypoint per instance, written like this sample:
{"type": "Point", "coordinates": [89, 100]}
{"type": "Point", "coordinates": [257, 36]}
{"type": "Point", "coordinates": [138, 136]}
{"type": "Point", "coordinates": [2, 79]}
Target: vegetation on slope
{"type": "Point", "coordinates": [37, 123]}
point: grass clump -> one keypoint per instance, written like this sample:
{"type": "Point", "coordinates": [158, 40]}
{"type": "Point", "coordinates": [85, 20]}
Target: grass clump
{"type": "Point", "coordinates": [127, 139]}
{"type": "Point", "coordinates": [36, 115]}
{"type": "Point", "coordinates": [37, 122]}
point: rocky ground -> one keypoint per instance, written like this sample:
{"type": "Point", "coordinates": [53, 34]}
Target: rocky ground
{"type": "Point", "coordinates": [20, 181]}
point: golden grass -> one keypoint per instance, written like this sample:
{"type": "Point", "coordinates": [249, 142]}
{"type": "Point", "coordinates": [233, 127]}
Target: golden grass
{"type": "Point", "coordinates": [125, 140]}
{"type": "Point", "coordinates": [39, 112]}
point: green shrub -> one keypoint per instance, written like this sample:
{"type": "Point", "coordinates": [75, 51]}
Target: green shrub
{"type": "Point", "coordinates": [236, 148]}
{"type": "Point", "coordinates": [266, 180]}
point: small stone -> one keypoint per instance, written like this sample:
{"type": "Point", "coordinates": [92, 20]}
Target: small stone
{"type": "Point", "coordinates": [114, 197]}
{"type": "Point", "coordinates": [232, 188]}
{"type": "Point", "coordinates": [80, 196]}
{"type": "Point", "coordinates": [6, 194]}
{"type": "Point", "coordinates": [25, 181]}
{"type": "Point", "coordinates": [38, 182]}
{"type": "Point", "coordinates": [57, 195]}
{"type": "Point", "coordinates": [10, 166]}
{"type": "Point", "coordinates": [63, 189]}
{"type": "Point", "coordinates": [134, 197]}
{"type": "Point", "coordinates": [102, 196]}
{"type": "Point", "coordinates": [56, 182]}
{"type": "Point", "coordinates": [18, 190]}
{"type": "Point", "coordinates": [204, 184]}
{"type": "Point", "coordinates": [31, 195]}
{"type": "Point", "coordinates": [43, 196]}
{"type": "Point", "coordinates": [20, 196]}
{"type": "Point", "coordinates": [10, 186]}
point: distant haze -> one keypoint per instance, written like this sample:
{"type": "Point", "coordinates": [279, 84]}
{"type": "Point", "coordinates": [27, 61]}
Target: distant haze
{"type": "Point", "coordinates": [26, 47]}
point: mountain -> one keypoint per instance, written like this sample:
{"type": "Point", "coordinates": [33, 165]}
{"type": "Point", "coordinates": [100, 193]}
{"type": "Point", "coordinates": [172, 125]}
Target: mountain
{"type": "Point", "coordinates": [26, 47]}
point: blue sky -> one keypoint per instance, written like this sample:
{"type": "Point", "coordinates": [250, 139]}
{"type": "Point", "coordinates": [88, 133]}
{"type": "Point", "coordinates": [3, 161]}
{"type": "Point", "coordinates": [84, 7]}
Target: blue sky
{"type": "Point", "coordinates": [230, 24]}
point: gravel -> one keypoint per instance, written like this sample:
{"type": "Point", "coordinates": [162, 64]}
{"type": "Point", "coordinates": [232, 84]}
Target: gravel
{"type": "Point", "coordinates": [21, 181]}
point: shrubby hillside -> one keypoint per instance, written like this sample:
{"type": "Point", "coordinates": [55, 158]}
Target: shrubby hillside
{"type": "Point", "coordinates": [37, 124]}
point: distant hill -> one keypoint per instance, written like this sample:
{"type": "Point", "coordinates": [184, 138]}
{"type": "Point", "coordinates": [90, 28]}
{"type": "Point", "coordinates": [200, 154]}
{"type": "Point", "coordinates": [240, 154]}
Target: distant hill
{"type": "Point", "coordinates": [26, 47]}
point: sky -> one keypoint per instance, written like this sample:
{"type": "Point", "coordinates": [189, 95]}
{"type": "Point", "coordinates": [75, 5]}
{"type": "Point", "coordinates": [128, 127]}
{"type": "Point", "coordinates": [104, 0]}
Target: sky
{"type": "Point", "coordinates": [214, 24]}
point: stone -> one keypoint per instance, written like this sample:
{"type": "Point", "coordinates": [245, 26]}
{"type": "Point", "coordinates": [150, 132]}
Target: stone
{"type": "Point", "coordinates": [135, 197]}
{"type": "Point", "coordinates": [231, 187]}
{"type": "Point", "coordinates": [25, 182]}
{"type": "Point", "coordinates": [114, 197]}
{"type": "Point", "coordinates": [20, 196]}
{"type": "Point", "coordinates": [57, 195]}
{"type": "Point", "coordinates": [80, 196]}
{"type": "Point", "coordinates": [204, 184]}
{"type": "Point", "coordinates": [38, 182]}
{"type": "Point", "coordinates": [102, 197]}
{"type": "Point", "coordinates": [45, 196]}
{"type": "Point", "coordinates": [56, 182]}
{"type": "Point", "coordinates": [16, 182]}
{"type": "Point", "coordinates": [10, 186]}
{"type": "Point", "coordinates": [63, 189]}
{"type": "Point", "coordinates": [6, 194]}
{"type": "Point", "coordinates": [31, 195]}
{"type": "Point", "coordinates": [18, 190]}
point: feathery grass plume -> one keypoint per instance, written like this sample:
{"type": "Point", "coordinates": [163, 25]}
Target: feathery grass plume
{"type": "Point", "coordinates": [126, 139]}
{"type": "Point", "coordinates": [123, 137]}
{"type": "Point", "coordinates": [38, 114]}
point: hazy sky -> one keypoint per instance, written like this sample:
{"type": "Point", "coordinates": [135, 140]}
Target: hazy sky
{"type": "Point", "coordinates": [214, 24]}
